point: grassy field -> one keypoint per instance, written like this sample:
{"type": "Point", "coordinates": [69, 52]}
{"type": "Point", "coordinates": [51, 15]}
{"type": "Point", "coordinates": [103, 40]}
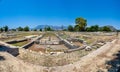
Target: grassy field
{"type": "Point", "coordinates": [20, 43]}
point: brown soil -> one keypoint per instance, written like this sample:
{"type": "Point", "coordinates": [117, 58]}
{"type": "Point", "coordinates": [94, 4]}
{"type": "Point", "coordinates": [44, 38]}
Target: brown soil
{"type": "Point", "coordinates": [37, 48]}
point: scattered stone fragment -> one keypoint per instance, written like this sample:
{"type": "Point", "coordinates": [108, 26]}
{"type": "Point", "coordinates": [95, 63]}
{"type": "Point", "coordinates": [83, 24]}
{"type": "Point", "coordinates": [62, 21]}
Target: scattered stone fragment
{"type": "Point", "coordinates": [88, 48]}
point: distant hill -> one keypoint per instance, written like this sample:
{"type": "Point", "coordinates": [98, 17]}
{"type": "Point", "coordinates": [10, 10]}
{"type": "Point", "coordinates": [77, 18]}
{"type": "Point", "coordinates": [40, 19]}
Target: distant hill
{"type": "Point", "coordinates": [65, 27]}
{"type": "Point", "coordinates": [112, 28]}
{"type": "Point", "coordinates": [53, 27]}
{"type": "Point", "coordinates": [41, 26]}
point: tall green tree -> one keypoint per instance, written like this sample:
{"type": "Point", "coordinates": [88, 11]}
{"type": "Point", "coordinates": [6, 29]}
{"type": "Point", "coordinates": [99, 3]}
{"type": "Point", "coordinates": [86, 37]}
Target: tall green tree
{"type": "Point", "coordinates": [6, 28]}
{"type": "Point", "coordinates": [20, 29]}
{"type": "Point", "coordinates": [26, 28]}
{"type": "Point", "coordinates": [70, 28]}
{"type": "Point", "coordinates": [81, 24]}
{"type": "Point", "coordinates": [1, 29]}
{"type": "Point", "coordinates": [76, 28]}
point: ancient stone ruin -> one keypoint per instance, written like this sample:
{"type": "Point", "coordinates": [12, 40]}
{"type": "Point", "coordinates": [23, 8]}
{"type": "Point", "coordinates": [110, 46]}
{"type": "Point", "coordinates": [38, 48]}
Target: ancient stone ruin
{"type": "Point", "coordinates": [54, 51]}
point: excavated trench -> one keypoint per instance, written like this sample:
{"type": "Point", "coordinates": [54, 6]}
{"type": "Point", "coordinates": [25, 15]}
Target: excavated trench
{"type": "Point", "coordinates": [48, 43]}
{"type": "Point", "coordinates": [49, 51]}
{"type": "Point", "coordinates": [44, 52]}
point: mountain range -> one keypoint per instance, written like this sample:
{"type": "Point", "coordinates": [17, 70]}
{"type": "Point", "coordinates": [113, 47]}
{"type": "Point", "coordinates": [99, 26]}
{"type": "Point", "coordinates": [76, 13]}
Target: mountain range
{"type": "Point", "coordinates": [112, 28]}
{"type": "Point", "coordinates": [65, 27]}
{"type": "Point", "coordinates": [53, 27]}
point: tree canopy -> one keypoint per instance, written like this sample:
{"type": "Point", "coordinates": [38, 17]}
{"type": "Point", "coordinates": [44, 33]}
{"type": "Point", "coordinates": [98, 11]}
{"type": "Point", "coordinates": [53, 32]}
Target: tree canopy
{"type": "Point", "coordinates": [1, 29]}
{"type": "Point", "coordinates": [105, 28]}
{"type": "Point", "coordinates": [81, 24]}
{"type": "Point", "coordinates": [26, 28]}
{"type": "Point", "coordinates": [96, 28]}
{"type": "Point", "coordinates": [70, 28]}
{"type": "Point", "coordinates": [20, 29]}
{"type": "Point", "coordinates": [5, 28]}
{"type": "Point", "coordinates": [93, 28]}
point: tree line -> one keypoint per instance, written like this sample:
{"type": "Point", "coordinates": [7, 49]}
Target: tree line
{"type": "Point", "coordinates": [80, 26]}
{"type": "Point", "coordinates": [93, 28]}
{"type": "Point", "coordinates": [6, 28]}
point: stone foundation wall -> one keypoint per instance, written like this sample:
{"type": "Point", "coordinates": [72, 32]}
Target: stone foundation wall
{"type": "Point", "coordinates": [76, 40]}
{"type": "Point", "coordinates": [32, 42]}
{"type": "Point", "coordinates": [16, 41]}
{"type": "Point", "coordinates": [9, 48]}
{"type": "Point", "coordinates": [67, 43]}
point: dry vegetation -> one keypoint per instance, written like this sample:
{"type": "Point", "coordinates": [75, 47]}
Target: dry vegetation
{"type": "Point", "coordinates": [52, 60]}
{"type": "Point", "coordinates": [17, 35]}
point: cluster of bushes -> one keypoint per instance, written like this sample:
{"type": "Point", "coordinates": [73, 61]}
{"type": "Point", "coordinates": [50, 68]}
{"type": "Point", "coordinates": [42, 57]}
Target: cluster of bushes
{"type": "Point", "coordinates": [45, 29]}
{"type": "Point", "coordinates": [93, 28]}
{"type": "Point", "coordinates": [5, 28]}
{"type": "Point", "coordinates": [48, 29]}
{"type": "Point", "coordinates": [23, 29]}
{"type": "Point", "coordinates": [97, 28]}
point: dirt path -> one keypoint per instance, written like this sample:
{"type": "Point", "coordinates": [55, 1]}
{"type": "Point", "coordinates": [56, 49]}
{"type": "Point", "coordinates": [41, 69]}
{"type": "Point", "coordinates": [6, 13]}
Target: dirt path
{"type": "Point", "coordinates": [95, 61]}
{"type": "Point", "coordinates": [99, 63]}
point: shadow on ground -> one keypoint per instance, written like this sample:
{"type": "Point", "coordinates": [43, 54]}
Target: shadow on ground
{"type": "Point", "coordinates": [2, 58]}
{"type": "Point", "coordinates": [114, 63]}
{"type": "Point", "coordinates": [12, 51]}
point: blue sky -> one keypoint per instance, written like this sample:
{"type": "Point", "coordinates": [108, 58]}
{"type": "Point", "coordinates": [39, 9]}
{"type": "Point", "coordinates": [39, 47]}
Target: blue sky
{"type": "Point", "coordinates": [16, 13]}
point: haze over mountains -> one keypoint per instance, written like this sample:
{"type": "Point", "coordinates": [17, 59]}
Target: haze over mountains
{"type": "Point", "coordinates": [65, 27]}
{"type": "Point", "coordinates": [53, 27]}
{"type": "Point", "coordinates": [112, 28]}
